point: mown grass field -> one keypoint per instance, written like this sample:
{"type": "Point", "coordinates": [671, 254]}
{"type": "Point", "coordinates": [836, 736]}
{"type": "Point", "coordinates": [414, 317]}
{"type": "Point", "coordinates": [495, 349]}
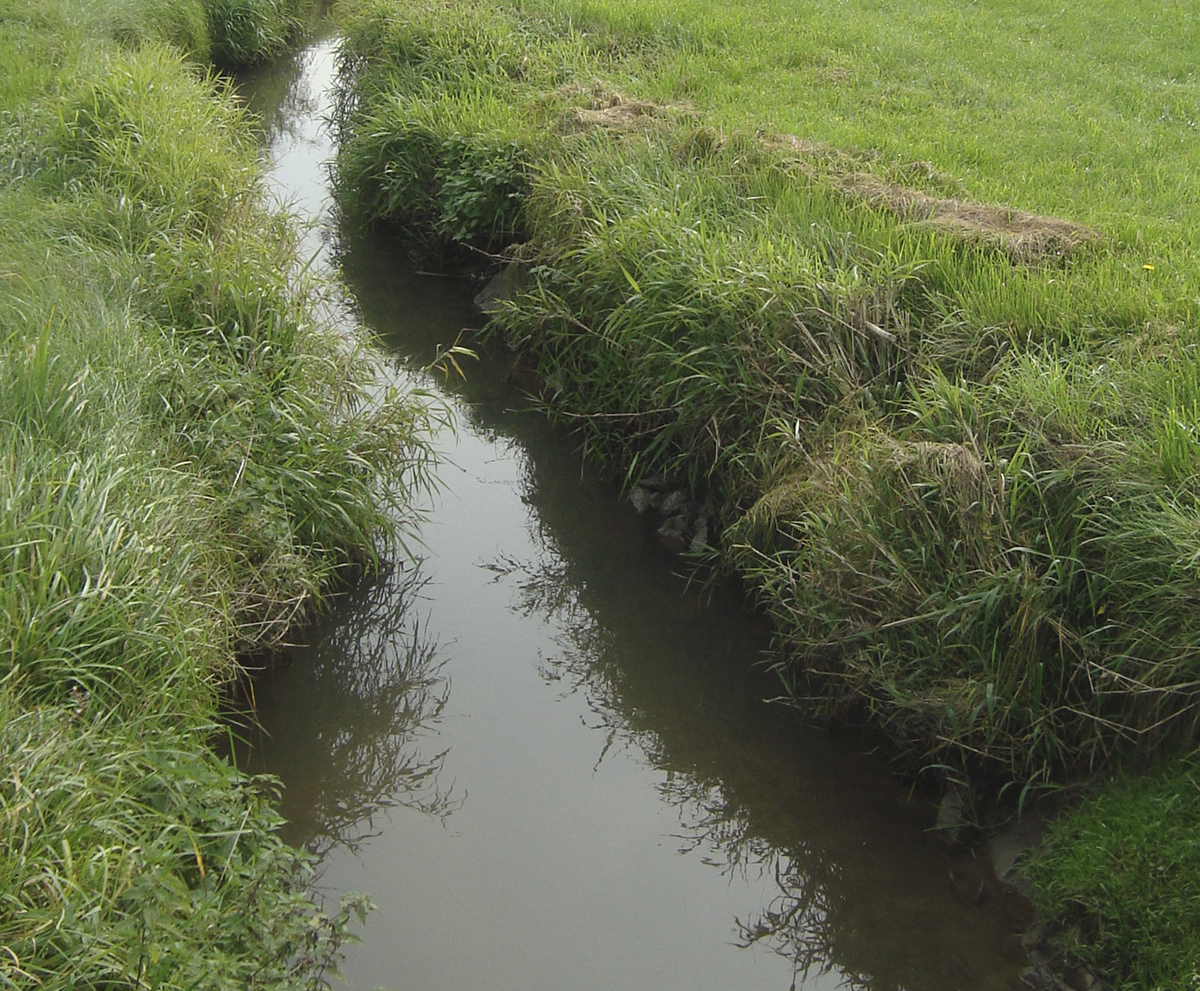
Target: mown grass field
{"type": "Point", "coordinates": [188, 461]}
{"type": "Point", "coordinates": [907, 294]}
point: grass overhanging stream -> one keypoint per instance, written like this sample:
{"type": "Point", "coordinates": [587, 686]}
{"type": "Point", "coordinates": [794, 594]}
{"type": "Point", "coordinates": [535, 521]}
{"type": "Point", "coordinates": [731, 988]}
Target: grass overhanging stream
{"type": "Point", "coordinates": [913, 317]}
{"type": "Point", "coordinates": [906, 298]}
{"type": "Point", "coordinates": [189, 460]}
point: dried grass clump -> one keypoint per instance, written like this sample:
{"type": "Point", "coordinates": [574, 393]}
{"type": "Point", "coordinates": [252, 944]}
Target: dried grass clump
{"type": "Point", "coordinates": [1024, 237]}
{"type": "Point", "coordinates": [598, 107]}
{"type": "Point", "coordinates": [959, 472]}
{"type": "Point", "coordinates": [620, 115]}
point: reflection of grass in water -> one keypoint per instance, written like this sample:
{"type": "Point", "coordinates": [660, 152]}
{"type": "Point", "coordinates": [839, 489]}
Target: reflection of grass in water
{"type": "Point", "coordinates": [281, 95]}
{"type": "Point", "coordinates": [712, 824]}
{"type": "Point", "coordinates": [833, 906]}
{"type": "Point", "coordinates": [796, 926]}
{"type": "Point", "coordinates": [373, 684]}
{"type": "Point", "coordinates": [798, 923]}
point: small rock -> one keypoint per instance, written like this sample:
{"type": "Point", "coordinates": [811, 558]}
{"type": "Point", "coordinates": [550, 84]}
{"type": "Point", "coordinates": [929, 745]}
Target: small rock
{"type": "Point", "coordinates": [671, 534]}
{"type": "Point", "coordinates": [1038, 978]}
{"type": "Point", "coordinates": [951, 818]}
{"type": "Point", "coordinates": [673, 502]}
{"type": "Point", "coordinates": [644, 499]}
{"type": "Point", "coordinates": [1005, 849]}
{"type": "Point", "coordinates": [655, 483]}
{"type": "Point", "coordinates": [502, 287]}
{"type": "Point", "coordinates": [700, 536]}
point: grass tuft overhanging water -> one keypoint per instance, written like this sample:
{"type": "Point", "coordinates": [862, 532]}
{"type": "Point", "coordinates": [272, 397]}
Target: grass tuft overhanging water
{"type": "Point", "coordinates": [189, 462]}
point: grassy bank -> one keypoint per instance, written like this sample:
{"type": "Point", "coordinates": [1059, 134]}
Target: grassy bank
{"type": "Point", "coordinates": [906, 295]}
{"type": "Point", "coordinates": [1118, 881]}
{"type": "Point", "coordinates": [187, 461]}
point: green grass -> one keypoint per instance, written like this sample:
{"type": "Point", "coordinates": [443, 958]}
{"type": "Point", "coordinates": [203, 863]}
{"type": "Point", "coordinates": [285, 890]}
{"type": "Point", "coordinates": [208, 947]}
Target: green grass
{"type": "Point", "coordinates": [131, 858]}
{"type": "Point", "coordinates": [189, 461]}
{"type": "Point", "coordinates": [933, 441]}
{"type": "Point", "coordinates": [228, 32]}
{"type": "Point", "coordinates": [1082, 112]}
{"type": "Point", "coordinates": [1121, 877]}
{"type": "Point", "coordinates": [907, 293]}
{"type": "Point", "coordinates": [248, 31]}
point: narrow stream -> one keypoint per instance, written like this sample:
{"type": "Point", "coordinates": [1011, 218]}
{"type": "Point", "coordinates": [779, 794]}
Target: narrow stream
{"type": "Point", "coordinates": [543, 754]}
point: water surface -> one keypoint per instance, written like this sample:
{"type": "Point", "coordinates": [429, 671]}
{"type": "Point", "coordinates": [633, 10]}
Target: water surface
{"type": "Point", "coordinates": [542, 753]}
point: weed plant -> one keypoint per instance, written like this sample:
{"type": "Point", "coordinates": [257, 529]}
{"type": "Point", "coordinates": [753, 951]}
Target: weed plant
{"type": "Point", "coordinates": [188, 460]}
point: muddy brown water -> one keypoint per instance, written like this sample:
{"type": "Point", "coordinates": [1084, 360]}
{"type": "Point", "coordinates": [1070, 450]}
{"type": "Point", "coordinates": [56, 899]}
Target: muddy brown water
{"type": "Point", "coordinates": [546, 756]}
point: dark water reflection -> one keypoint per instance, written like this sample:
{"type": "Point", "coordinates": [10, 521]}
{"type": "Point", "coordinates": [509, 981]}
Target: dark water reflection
{"type": "Point", "coordinates": [546, 756]}
{"type": "Point", "coordinates": [349, 721]}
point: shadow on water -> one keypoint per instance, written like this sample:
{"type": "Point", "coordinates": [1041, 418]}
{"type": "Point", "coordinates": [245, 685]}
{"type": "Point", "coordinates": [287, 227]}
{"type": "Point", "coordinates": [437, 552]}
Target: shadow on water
{"type": "Point", "coordinates": [827, 861]}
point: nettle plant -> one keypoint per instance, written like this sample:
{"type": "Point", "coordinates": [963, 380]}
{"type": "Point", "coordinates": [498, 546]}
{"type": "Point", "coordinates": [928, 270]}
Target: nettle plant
{"type": "Point", "coordinates": [482, 188]}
